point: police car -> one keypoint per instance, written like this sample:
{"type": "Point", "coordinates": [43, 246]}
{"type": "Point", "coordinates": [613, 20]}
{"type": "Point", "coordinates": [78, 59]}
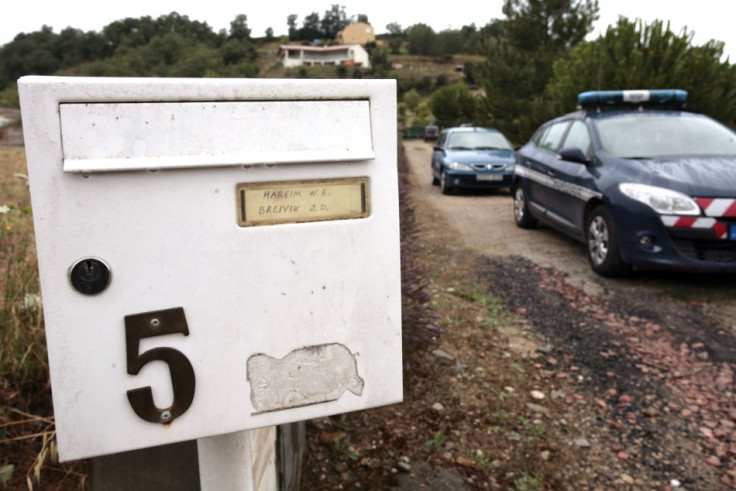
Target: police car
{"type": "Point", "coordinates": [642, 182]}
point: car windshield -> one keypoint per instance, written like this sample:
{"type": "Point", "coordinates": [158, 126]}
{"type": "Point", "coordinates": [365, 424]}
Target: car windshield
{"type": "Point", "coordinates": [478, 140]}
{"type": "Point", "coordinates": [661, 135]}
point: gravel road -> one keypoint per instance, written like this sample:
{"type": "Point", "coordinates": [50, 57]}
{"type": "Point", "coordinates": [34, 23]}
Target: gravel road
{"type": "Point", "coordinates": [657, 348]}
{"type": "Point", "coordinates": [485, 222]}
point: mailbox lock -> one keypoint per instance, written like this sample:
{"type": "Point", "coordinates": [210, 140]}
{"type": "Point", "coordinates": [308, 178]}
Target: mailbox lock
{"type": "Point", "coordinates": [89, 276]}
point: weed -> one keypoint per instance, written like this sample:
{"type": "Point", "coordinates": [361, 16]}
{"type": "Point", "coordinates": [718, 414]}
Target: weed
{"type": "Point", "coordinates": [437, 441]}
{"type": "Point", "coordinates": [345, 449]}
{"type": "Point", "coordinates": [482, 462]}
{"type": "Point", "coordinates": [513, 436]}
{"type": "Point", "coordinates": [536, 433]}
{"type": "Point", "coordinates": [501, 394]}
{"type": "Point", "coordinates": [527, 482]}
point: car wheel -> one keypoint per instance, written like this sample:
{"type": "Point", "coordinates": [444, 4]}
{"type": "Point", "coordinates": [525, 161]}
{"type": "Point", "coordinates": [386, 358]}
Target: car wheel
{"type": "Point", "coordinates": [604, 251]}
{"type": "Point", "coordinates": [522, 216]}
{"type": "Point", "coordinates": [435, 181]}
{"type": "Point", "coordinates": [444, 188]}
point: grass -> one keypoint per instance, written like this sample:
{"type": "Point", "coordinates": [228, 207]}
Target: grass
{"type": "Point", "coordinates": [27, 439]}
{"type": "Point", "coordinates": [494, 313]}
{"type": "Point", "coordinates": [22, 343]}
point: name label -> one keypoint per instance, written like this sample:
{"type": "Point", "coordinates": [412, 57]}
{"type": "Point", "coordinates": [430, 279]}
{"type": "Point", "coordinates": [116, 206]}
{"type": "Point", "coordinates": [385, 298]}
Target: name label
{"type": "Point", "coordinates": [270, 203]}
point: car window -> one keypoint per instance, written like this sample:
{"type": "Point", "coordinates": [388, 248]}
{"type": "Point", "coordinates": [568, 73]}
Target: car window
{"type": "Point", "coordinates": [551, 139]}
{"type": "Point", "coordinates": [664, 135]}
{"type": "Point", "coordinates": [478, 140]}
{"type": "Point", "coordinates": [539, 135]}
{"type": "Point", "coordinates": [578, 136]}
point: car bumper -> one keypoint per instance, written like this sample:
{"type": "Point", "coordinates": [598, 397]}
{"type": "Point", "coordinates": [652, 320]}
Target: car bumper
{"type": "Point", "coordinates": [649, 241]}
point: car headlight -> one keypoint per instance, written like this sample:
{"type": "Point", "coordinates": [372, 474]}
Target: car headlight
{"type": "Point", "coordinates": [510, 167]}
{"type": "Point", "coordinates": [459, 166]}
{"type": "Point", "coordinates": [663, 201]}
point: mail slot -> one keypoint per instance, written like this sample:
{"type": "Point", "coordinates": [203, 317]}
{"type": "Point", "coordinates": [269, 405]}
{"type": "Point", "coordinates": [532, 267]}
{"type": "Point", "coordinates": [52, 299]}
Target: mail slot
{"type": "Point", "coordinates": [214, 255]}
{"type": "Point", "coordinates": [103, 137]}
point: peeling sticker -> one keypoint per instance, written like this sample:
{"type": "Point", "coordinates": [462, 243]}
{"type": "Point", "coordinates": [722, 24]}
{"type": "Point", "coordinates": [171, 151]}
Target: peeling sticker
{"type": "Point", "coordinates": [305, 376]}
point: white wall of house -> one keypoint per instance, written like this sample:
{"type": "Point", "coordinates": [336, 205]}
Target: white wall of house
{"type": "Point", "coordinates": [295, 55]}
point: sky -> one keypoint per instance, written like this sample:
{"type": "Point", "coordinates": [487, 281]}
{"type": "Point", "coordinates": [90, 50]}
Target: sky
{"type": "Point", "coordinates": [706, 19]}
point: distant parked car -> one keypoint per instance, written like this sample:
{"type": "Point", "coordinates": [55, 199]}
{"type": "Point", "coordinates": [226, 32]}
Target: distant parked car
{"type": "Point", "coordinates": [642, 187]}
{"type": "Point", "coordinates": [472, 157]}
{"type": "Point", "coordinates": [431, 133]}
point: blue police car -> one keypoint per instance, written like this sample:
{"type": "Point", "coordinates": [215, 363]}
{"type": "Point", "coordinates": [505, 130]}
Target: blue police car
{"type": "Point", "coordinates": [645, 186]}
{"type": "Point", "coordinates": [472, 157]}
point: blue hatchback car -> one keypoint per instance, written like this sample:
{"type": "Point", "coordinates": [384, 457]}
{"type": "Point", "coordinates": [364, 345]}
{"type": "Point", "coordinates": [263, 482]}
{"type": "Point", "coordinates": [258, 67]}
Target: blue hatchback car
{"type": "Point", "coordinates": [643, 187]}
{"type": "Point", "coordinates": [471, 157]}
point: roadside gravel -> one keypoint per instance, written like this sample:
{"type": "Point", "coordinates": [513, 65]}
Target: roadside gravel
{"type": "Point", "coordinates": [545, 375]}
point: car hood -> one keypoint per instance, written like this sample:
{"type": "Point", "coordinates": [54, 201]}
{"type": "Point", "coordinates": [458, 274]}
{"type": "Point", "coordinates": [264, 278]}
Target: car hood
{"type": "Point", "coordinates": [697, 176]}
{"type": "Point", "coordinates": [480, 155]}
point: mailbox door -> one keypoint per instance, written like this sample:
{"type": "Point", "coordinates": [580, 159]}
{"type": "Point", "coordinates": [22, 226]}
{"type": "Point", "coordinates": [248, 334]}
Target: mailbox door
{"type": "Point", "coordinates": [214, 255]}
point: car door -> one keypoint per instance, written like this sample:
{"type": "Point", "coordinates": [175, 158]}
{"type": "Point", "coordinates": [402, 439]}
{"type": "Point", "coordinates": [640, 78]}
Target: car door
{"type": "Point", "coordinates": [438, 155]}
{"type": "Point", "coordinates": [571, 180]}
{"type": "Point", "coordinates": [539, 159]}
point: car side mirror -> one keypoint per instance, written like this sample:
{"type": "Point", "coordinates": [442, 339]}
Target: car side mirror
{"type": "Point", "coordinates": [573, 154]}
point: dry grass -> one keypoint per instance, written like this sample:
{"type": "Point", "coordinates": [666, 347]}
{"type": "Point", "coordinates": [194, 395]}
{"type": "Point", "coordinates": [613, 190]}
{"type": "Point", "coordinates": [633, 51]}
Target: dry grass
{"type": "Point", "coordinates": [27, 437]}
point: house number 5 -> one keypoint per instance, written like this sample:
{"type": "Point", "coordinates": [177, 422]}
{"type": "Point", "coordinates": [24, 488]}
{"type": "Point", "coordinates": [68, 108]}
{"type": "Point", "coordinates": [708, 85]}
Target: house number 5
{"type": "Point", "coordinates": [150, 324]}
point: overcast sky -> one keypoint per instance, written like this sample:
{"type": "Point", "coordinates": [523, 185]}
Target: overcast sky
{"type": "Point", "coordinates": [707, 19]}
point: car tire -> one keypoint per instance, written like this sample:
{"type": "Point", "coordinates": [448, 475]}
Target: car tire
{"type": "Point", "coordinates": [435, 181]}
{"type": "Point", "coordinates": [522, 215]}
{"type": "Point", "coordinates": [444, 188]}
{"type": "Point", "coordinates": [604, 249]}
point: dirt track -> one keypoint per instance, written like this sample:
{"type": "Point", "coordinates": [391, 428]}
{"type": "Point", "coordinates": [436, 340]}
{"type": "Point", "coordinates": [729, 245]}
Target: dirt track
{"type": "Point", "coordinates": [548, 377]}
{"type": "Point", "coordinates": [485, 223]}
{"type": "Point", "coordinates": [664, 340]}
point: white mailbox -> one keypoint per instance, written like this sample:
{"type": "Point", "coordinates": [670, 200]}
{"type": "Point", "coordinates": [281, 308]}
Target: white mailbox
{"type": "Point", "coordinates": [215, 255]}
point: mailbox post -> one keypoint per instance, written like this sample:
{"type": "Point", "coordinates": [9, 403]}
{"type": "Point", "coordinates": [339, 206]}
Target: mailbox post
{"type": "Point", "coordinates": [215, 255]}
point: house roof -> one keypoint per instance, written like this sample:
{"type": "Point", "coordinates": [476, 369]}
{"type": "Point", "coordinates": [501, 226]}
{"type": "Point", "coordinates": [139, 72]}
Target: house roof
{"type": "Point", "coordinates": [318, 49]}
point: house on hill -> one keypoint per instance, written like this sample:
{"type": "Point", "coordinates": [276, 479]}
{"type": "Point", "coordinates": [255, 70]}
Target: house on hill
{"type": "Point", "coordinates": [356, 33]}
{"type": "Point", "coordinates": [292, 55]}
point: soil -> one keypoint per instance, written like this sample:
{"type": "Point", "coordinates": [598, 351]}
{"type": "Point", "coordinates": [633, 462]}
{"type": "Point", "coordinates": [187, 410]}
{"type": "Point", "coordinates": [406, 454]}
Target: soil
{"type": "Point", "coordinates": [545, 375]}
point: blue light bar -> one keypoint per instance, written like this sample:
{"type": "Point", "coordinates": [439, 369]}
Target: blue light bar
{"type": "Point", "coordinates": [641, 97]}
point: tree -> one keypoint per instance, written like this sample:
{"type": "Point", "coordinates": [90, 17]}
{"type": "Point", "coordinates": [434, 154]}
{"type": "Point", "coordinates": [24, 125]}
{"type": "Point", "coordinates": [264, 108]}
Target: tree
{"type": "Point", "coordinates": [420, 39]}
{"type": "Point", "coordinates": [334, 21]}
{"type": "Point", "coordinates": [293, 29]}
{"type": "Point", "coordinates": [519, 64]}
{"type": "Point", "coordinates": [453, 104]}
{"type": "Point", "coordinates": [380, 63]}
{"type": "Point", "coordinates": [394, 29]}
{"type": "Point", "coordinates": [310, 28]}
{"type": "Point", "coordinates": [412, 99]}
{"type": "Point", "coordinates": [633, 55]}
{"type": "Point", "coordinates": [551, 23]}
{"type": "Point", "coordinates": [239, 28]}
{"type": "Point", "coordinates": [448, 43]}
{"type": "Point", "coordinates": [35, 53]}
